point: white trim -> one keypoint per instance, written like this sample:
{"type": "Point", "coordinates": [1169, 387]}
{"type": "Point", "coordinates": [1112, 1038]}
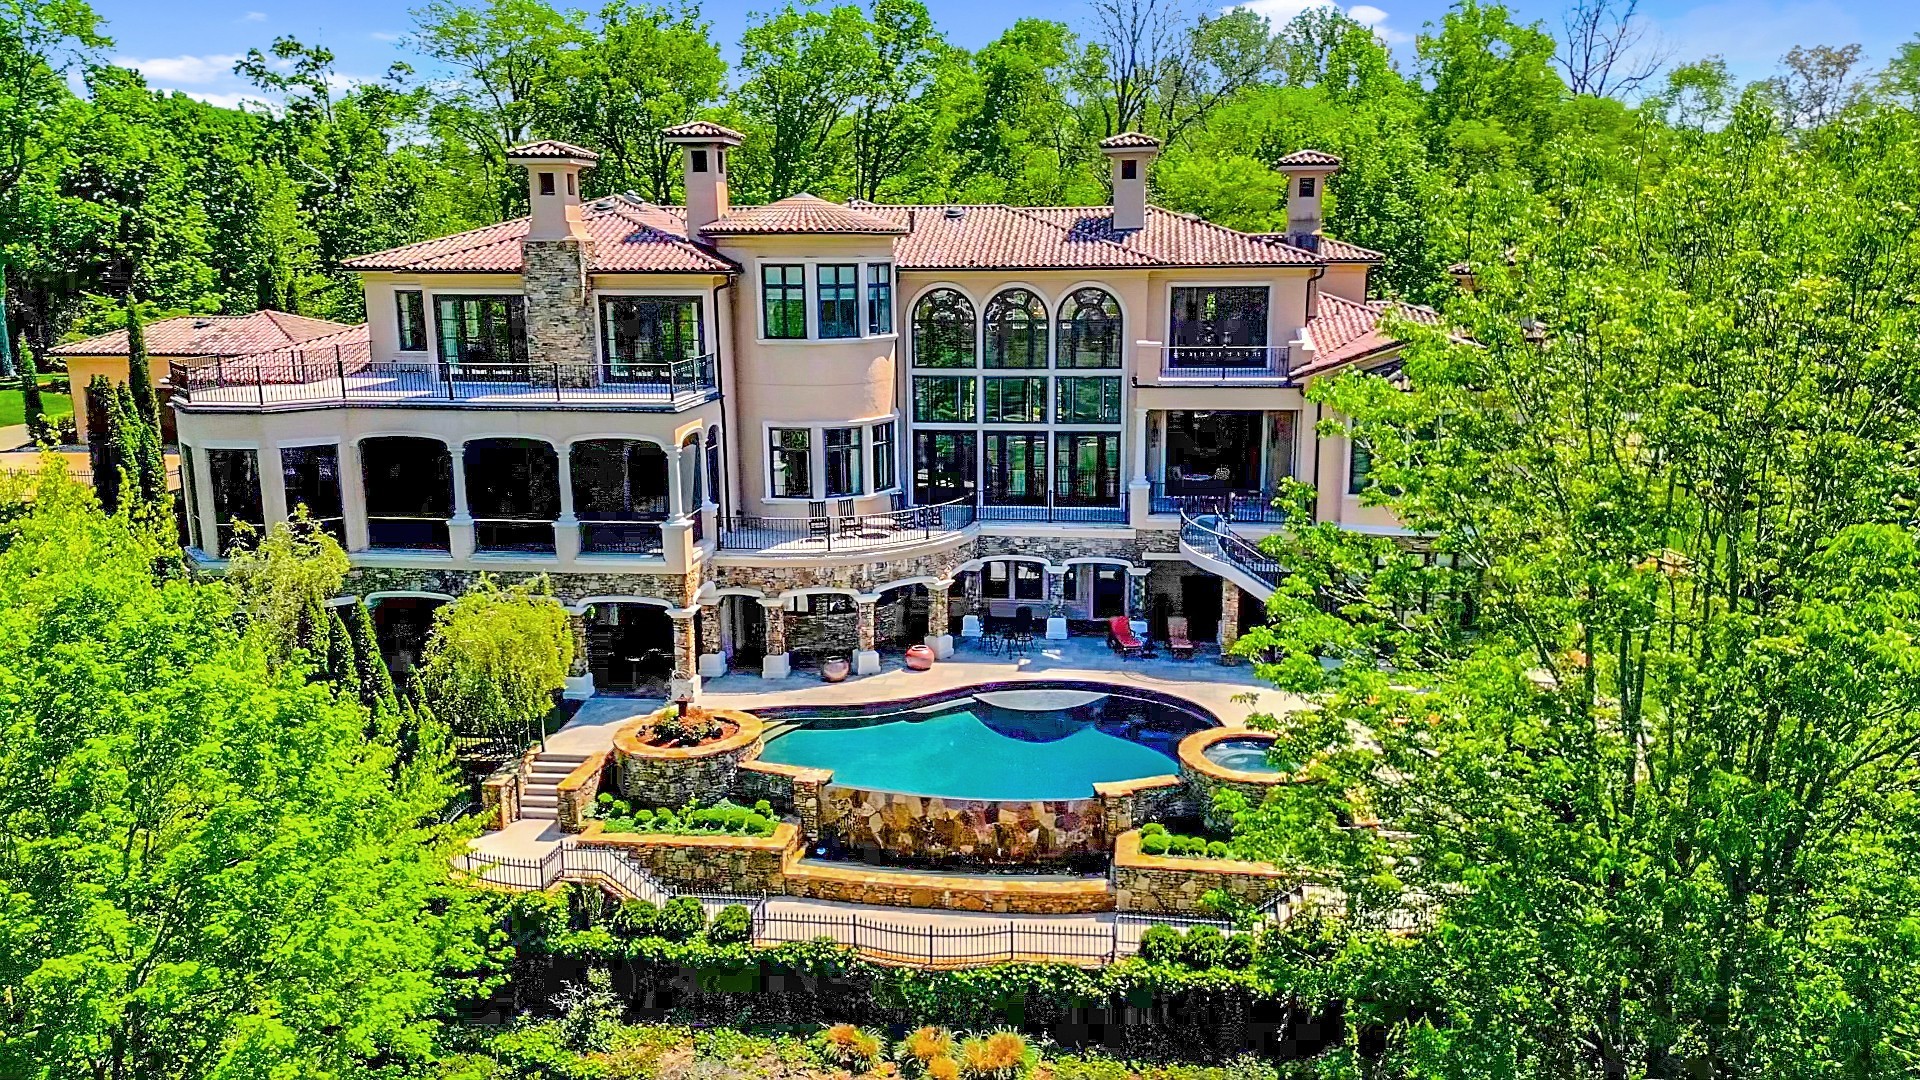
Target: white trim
{"type": "Point", "coordinates": [444, 440]}
{"type": "Point", "coordinates": [405, 594]}
{"type": "Point", "coordinates": [580, 606]}
{"type": "Point", "coordinates": [622, 436]}
{"type": "Point", "coordinates": [810, 289]}
{"type": "Point", "coordinates": [335, 441]}
{"type": "Point", "coordinates": [905, 583]}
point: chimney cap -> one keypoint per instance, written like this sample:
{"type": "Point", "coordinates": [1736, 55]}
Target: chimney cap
{"type": "Point", "coordinates": [551, 150]}
{"type": "Point", "coordinates": [702, 133]}
{"type": "Point", "coordinates": [1128, 141]}
{"type": "Point", "coordinates": [1307, 160]}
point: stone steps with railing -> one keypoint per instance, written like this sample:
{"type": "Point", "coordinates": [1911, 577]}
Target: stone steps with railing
{"type": "Point", "coordinates": [540, 793]}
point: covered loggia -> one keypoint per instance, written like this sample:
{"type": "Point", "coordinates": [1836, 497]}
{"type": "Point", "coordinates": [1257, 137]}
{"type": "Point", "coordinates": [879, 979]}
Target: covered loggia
{"type": "Point", "coordinates": [619, 494]}
{"type": "Point", "coordinates": [408, 483]}
{"type": "Point", "coordinates": [629, 646]}
{"type": "Point", "coordinates": [402, 625]}
{"type": "Point", "coordinates": [513, 493]}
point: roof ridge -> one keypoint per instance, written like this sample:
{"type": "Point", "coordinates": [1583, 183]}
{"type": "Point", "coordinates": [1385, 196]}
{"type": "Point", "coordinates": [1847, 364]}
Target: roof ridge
{"type": "Point", "coordinates": [1067, 232]}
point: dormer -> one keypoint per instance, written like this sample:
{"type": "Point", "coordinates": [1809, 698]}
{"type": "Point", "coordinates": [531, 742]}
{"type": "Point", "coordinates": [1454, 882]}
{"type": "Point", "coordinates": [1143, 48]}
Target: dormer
{"type": "Point", "coordinates": [1131, 154]}
{"type": "Point", "coordinates": [553, 187]}
{"type": "Point", "coordinates": [1306, 172]}
{"type": "Point", "coordinates": [704, 146]}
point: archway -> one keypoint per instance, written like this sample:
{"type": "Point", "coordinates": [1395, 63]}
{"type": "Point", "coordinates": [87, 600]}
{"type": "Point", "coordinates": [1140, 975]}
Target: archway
{"type": "Point", "coordinates": [629, 647]}
{"type": "Point", "coordinates": [900, 616]}
{"type": "Point", "coordinates": [401, 627]}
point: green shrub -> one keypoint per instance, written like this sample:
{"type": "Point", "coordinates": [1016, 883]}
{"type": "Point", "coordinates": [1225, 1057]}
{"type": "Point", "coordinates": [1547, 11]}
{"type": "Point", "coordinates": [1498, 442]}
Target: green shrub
{"type": "Point", "coordinates": [1218, 849]}
{"type": "Point", "coordinates": [733, 924]}
{"type": "Point", "coordinates": [636, 918]}
{"type": "Point", "coordinates": [1160, 945]}
{"type": "Point", "coordinates": [1153, 828]}
{"type": "Point", "coordinates": [1203, 948]}
{"type": "Point", "coordinates": [682, 919]}
{"type": "Point", "coordinates": [1237, 952]}
{"type": "Point", "coordinates": [1155, 844]}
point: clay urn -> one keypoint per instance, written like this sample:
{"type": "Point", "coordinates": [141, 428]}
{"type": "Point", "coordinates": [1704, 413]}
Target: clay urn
{"type": "Point", "coordinates": [919, 658]}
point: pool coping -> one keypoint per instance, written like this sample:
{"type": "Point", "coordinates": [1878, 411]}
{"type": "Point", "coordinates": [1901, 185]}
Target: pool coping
{"type": "Point", "coordinates": [1192, 753]}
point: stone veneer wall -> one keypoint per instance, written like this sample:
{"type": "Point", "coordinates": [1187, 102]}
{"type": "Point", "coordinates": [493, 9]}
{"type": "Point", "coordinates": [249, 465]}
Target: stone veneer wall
{"type": "Point", "coordinates": [500, 796]}
{"type": "Point", "coordinates": [1129, 804]}
{"type": "Point", "coordinates": [748, 865]}
{"type": "Point", "coordinates": [654, 777]}
{"type": "Point", "coordinates": [559, 314]}
{"type": "Point", "coordinates": [962, 830]}
{"type": "Point", "coordinates": [676, 589]}
{"type": "Point", "coordinates": [1008, 893]}
{"type": "Point", "coordinates": [823, 635]}
{"type": "Point", "coordinates": [1175, 886]}
{"type": "Point", "coordinates": [577, 790]}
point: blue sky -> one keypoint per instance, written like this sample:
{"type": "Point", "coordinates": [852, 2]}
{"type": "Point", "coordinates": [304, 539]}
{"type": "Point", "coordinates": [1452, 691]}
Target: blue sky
{"type": "Point", "coordinates": [192, 46]}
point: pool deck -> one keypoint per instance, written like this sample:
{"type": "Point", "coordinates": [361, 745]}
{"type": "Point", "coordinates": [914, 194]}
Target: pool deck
{"type": "Point", "coordinates": [1203, 681]}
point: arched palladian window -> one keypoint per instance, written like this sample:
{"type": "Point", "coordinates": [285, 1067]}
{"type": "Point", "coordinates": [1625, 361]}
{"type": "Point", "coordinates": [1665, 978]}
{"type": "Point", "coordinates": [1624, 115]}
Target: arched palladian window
{"type": "Point", "coordinates": [943, 330]}
{"type": "Point", "coordinates": [1090, 329]}
{"type": "Point", "coordinates": [1016, 330]}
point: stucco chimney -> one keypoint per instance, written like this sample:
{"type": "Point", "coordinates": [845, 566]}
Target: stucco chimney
{"type": "Point", "coordinates": [554, 260]}
{"type": "Point", "coordinates": [704, 146]}
{"type": "Point", "coordinates": [1131, 154]}
{"type": "Point", "coordinates": [1306, 172]}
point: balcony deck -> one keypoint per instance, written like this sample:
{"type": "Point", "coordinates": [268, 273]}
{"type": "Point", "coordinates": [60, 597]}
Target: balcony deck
{"type": "Point", "coordinates": [815, 537]}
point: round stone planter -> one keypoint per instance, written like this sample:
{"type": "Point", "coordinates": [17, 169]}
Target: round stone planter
{"type": "Point", "coordinates": [672, 776]}
{"type": "Point", "coordinates": [1204, 776]}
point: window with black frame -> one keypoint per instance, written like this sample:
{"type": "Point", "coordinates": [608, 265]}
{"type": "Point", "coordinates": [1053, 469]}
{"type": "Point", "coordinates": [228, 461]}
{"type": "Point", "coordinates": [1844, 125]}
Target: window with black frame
{"type": "Point", "coordinates": [1002, 579]}
{"type": "Point", "coordinates": [1016, 469]}
{"type": "Point", "coordinates": [879, 298]}
{"type": "Point", "coordinates": [644, 336]}
{"type": "Point", "coordinates": [312, 477]}
{"type": "Point", "coordinates": [836, 289]}
{"type": "Point", "coordinates": [1016, 330]}
{"type": "Point", "coordinates": [408, 486]}
{"type": "Point", "coordinates": [410, 306]}
{"type": "Point", "coordinates": [943, 331]}
{"type": "Point", "coordinates": [1087, 399]}
{"type": "Point", "coordinates": [790, 462]}
{"type": "Point", "coordinates": [235, 476]}
{"type": "Point", "coordinates": [483, 338]}
{"type": "Point", "coordinates": [944, 399]}
{"type": "Point", "coordinates": [1359, 467]}
{"type": "Point", "coordinates": [944, 466]}
{"type": "Point", "coordinates": [783, 302]}
{"type": "Point", "coordinates": [844, 453]}
{"type": "Point", "coordinates": [714, 481]}
{"type": "Point", "coordinates": [1086, 468]}
{"type": "Point", "coordinates": [513, 493]}
{"type": "Point", "coordinates": [1089, 329]}
{"type": "Point", "coordinates": [884, 464]}
{"type": "Point", "coordinates": [1016, 400]}
{"type": "Point", "coordinates": [189, 496]}
{"type": "Point", "coordinates": [1222, 326]}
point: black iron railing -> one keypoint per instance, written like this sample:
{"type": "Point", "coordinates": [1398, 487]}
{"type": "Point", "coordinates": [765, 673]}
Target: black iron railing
{"type": "Point", "coordinates": [396, 533]}
{"type": "Point", "coordinates": [513, 535]}
{"type": "Point", "coordinates": [1251, 505]}
{"type": "Point", "coordinates": [621, 538]}
{"type": "Point", "coordinates": [1211, 536]}
{"type": "Point", "coordinates": [1058, 512]}
{"type": "Point", "coordinates": [1225, 363]}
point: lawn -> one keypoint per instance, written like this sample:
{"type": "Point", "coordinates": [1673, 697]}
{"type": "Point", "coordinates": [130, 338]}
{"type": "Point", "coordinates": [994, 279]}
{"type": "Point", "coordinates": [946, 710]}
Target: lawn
{"type": "Point", "coordinates": [53, 398]}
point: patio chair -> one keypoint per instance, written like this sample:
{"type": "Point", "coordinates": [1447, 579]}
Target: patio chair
{"type": "Point", "coordinates": [1177, 642]}
{"type": "Point", "coordinates": [1121, 638]}
{"type": "Point", "coordinates": [819, 525]}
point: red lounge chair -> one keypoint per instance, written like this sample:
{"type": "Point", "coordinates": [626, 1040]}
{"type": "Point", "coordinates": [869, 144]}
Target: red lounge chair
{"type": "Point", "coordinates": [1177, 642]}
{"type": "Point", "coordinates": [1121, 638]}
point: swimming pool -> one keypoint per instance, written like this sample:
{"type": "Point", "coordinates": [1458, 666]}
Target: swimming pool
{"type": "Point", "coordinates": [1021, 741]}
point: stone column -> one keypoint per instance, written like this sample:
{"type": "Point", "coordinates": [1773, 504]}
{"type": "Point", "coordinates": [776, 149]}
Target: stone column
{"type": "Point", "coordinates": [867, 607]}
{"type": "Point", "coordinates": [566, 527]}
{"type": "Point", "coordinates": [1137, 598]}
{"type": "Point", "coordinates": [1139, 489]}
{"type": "Point", "coordinates": [460, 525]}
{"type": "Point", "coordinates": [579, 673]}
{"type": "Point", "coordinates": [686, 671]}
{"type": "Point", "coordinates": [939, 620]}
{"type": "Point", "coordinates": [971, 625]}
{"type": "Point", "coordinates": [776, 665]}
{"type": "Point", "coordinates": [713, 658]}
{"type": "Point", "coordinates": [1057, 602]}
{"type": "Point", "coordinates": [1229, 621]}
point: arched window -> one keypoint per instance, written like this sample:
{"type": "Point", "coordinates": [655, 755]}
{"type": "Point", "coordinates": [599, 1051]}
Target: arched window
{"type": "Point", "coordinates": [1016, 330]}
{"type": "Point", "coordinates": [1090, 329]}
{"type": "Point", "coordinates": [943, 330]}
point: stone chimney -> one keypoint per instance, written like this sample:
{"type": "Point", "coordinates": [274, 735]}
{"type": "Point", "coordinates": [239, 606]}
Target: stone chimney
{"type": "Point", "coordinates": [1131, 154]}
{"type": "Point", "coordinates": [704, 146]}
{"type": "Point", "coordinates": [1306, 172]}
{"type": "Point", "coordinates": [555, 256]}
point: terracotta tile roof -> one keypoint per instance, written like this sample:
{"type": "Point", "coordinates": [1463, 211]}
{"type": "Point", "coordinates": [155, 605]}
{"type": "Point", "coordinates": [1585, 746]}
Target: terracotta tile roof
{"type": "Point", "coordinates": [802, 213]}
{"type": "Point", "coordinates": [1340, 251]}
{"type": "Point", "coordinates": [1129, 140]}
{"type": "Point", "coordinates": [551, 148]}
{"type": "Point", "coordinates": [1309, 158]}
{"type": "Point", "coordinates": [1072, 237]}
{"type": "Point", "coordinates": [630, 236]}
{"type": "Point", "coordinates": [1344, 331]}
{"type": "Point", "coordinates": [701, 129]}
{"type": "Point", "coordinates": [210, 335]}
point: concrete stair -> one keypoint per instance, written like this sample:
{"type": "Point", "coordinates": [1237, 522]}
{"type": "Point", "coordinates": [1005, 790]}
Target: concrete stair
{"type": "Point", "coordinates": [540, 796]}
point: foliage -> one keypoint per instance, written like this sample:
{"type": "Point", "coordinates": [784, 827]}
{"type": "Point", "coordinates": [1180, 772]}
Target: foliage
{"type": "Point", "coordinates": [206, 867]}
{"type": "Point", "coordinates": [281, 586]}
{"type": "Point", "coordinates": [1156, 840]}
{"type": "Point", "coordinates": [849, 1047]}
{"type": "Point", "coordinates": [33, 411]}
{"type": "Point", "coordinates": [496, 659]}
{"type": "Point", "coordinates": [723, 817]}
{"type": "Point", "coordinates": [680, 919]}
{"type": "Point", "coordinates": [917, 1052]}
{"type": "Point", "coordinates": [731, 925]}
{"type": "Point", "coordinates": [1002, 1055]}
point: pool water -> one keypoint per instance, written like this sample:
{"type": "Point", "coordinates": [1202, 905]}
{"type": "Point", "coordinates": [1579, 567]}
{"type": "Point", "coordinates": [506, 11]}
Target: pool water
{"type": "Point", "coordinates": [1246, 755]}
{"type": "Point", "coordinates": [1023, 744]}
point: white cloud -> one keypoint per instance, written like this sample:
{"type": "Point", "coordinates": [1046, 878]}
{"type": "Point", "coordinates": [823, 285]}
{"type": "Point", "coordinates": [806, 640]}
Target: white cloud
{"type": "Point", "coordinates": [1281, 12]}
{"type": "Point", "coordinates": [384, 35]}
{"type": "Point", "coordinates": [176, 71]}
{"type": "Point", "coordinates": [254, 16]}
{"type": "Point", "coordinates": [226, 101]}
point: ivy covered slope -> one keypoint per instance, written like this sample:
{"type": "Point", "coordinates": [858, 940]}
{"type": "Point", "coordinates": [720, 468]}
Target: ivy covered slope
{"type": "Point", "coordinates": [209, 865]}
{"type": "Point", "coordinates": [1648, 742]}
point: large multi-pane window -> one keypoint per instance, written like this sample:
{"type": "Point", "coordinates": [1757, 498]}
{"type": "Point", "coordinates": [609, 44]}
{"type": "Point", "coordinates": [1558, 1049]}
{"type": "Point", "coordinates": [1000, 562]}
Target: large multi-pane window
{"type": "Point", "coordinates": [715, 480]}
{"type": "Point", "coordinates": [1016, 330]}
{"type": "Point", "coordinates": [943, 330]}
{"type": "Point", "coordinates": [790, 462]}
{"type": "Point", "coordinates": [944, 466]}
{"type": "Point", "coordinates": [482, 337]}
{"type": "Point", "coordinates": [189, 495]}
{"type": "Point", "coordinates": [410, 306]}
{"type": "Point", "coordinates": [879, 298]}
{"type": "Point", "coordinates": [1016, 400]}
{"type": "Point", "coordinates": [1016, 469]}
{"type": "Point", "coordinates": [783, 301]}
{"type": "Point", "coordinates": [1089, 329]}
{"type": "Point", "coordinates": [1002, 579]}
{"type": "Point", "coordinates": [943, 399]}
{"type": "Point", "coordinates": [1086, 399]}
{"type": "Point", "coordinates": [312, 478]}
{"type": "Point", "coordinates": [1219, 326]}
{"type": "Point", "coordinates": [1086, 468]}
{"type": "Point", "coordinates": [843, 461]}
{"type": "Point", "coordinates": [837, 288]}
{"type": "Point", "coordinates": [236, 493]}
{"type": "Point", "coordinates": [884, 465]}
{"type": "Point", "coordinates": [642, 335]}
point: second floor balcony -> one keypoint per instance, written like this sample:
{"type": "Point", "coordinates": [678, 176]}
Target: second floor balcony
{"type": "Point", "coordinates": [1225, 365]}
{"type": "Point", "coordinates": [347, 375]}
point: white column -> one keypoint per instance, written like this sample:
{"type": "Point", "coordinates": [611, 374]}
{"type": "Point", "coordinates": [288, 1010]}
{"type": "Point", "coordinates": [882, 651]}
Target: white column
{"type": "Point", "coordinates": [460, 526]}
{"type": "Point", "coordinates": [273, 486]}
{"type": "Point", "coordinates": [1139, 489]}
{"type": "Point", "coordinates": [866, 659]}
{"type": "Point", "coordinates": [1056, 580]}
{"type": "Point", "coordinates": [566, 527]}
{"type": "Point", "coordinates": [676, 487]}
{"type": "Point", "coordinates": [353, 495]}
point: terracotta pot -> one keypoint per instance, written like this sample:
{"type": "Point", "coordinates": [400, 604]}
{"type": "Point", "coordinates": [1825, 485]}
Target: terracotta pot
{"type": "Point", "coordinates": [835, 668]}
{"type": "Point", "coordinates": [919, 658]}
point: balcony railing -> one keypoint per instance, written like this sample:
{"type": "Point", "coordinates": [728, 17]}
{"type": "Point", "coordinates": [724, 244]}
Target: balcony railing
{"type": "Point", "coordinates": [835, 533]}
{"type": "Point", "coordinates": [1209, 535]}
{"type": "Point", "coordinates": [1059, 511]}
{"type": "Point", "coordinates": [387, 532]}
{"type": "Point", "coordinates": [347, 375]}
{"type": "Point", "coordinates": [1231, 364]}
{"type": "Point", "coordinates": [1247, 505]}
{"type": "Point", "coordinates": [621, 538]}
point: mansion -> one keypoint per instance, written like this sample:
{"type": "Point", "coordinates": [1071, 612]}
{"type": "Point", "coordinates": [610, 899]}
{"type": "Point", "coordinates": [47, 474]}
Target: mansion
{"type": "Point", "coordinates": [749, 437]}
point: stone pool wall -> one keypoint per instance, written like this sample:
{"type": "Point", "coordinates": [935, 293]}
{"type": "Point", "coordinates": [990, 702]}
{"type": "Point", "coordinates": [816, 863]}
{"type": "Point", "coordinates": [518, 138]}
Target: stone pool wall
{"type": "Point", "coordinates": [934, 830]}
{"type": "Point", "coordinates": [1170, 885]}
{"type": "Point", "coordinates": [654, 776]}
{"type": "Point", "coordinates": [746, 865]}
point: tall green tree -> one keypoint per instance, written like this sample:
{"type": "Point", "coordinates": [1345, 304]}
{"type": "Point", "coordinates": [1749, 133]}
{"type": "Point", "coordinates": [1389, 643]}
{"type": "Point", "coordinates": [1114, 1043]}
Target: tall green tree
{"type": "Point", "coordinates": [496, 660]}
{"type": "Point", "coordinates": [280, 583]}
{"type": "Point", "coordinates": [802, 70]}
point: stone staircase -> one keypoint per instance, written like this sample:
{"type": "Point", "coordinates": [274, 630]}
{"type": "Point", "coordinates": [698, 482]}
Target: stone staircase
{"type": "Point", "coordinates": [540, 796]}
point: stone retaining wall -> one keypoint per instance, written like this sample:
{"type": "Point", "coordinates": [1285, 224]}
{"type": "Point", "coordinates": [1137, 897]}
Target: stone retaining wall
{"type": "Point", "coordinates": [577, 791]}
{"type": "Point", "coordinates": [1129, 804]}
{"type": "Point", "coordinates": [1171, 885]}
{"type": "Point", "coordinates": [568, 588]}
{"type": "Point", "coordinates": [1011, 894]}
{"type": "Point", "coordinates": [500, 796]}
{"type": "Point", "coordinates": [749, 865]}
{"type": "Point", "coordinates": [936, 830]}
{"type": "Point", "coordinates": [655, 776]}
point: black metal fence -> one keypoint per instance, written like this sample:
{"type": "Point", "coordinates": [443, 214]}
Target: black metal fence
{"type": "Point", "coordinates": [1225, 363]}
{"type": "Point", "coordinates": [1249, 505]}
{"type": "Point", "coordinates": [844, 532]}
{"type": "Point", "coordinates": [343, 374]}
